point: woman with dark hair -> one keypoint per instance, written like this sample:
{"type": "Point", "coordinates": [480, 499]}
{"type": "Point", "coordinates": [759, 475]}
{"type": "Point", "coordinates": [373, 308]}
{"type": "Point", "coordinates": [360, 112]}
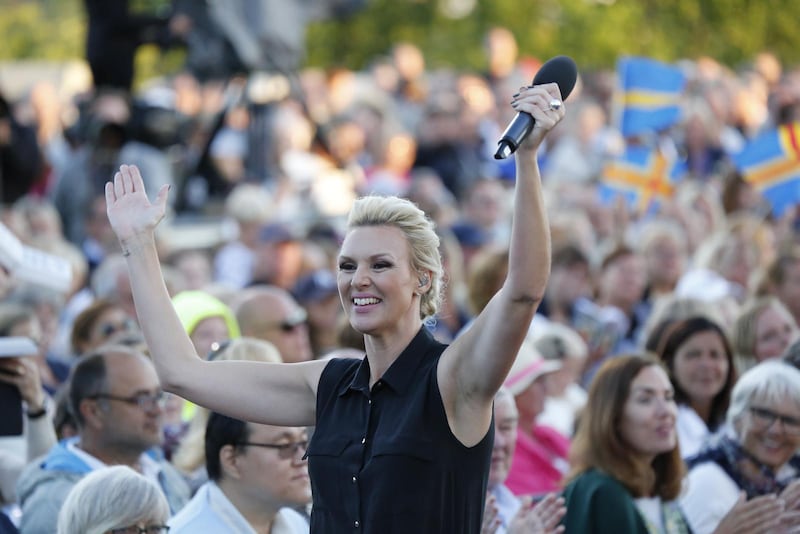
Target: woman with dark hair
{"type": "Point", "coordinates": [699, 362]}
{"type": "Point", "coordinates": [626, 467]}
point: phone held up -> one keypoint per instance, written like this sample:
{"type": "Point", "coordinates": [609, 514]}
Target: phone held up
{"type": "Point", "coordinates": [10, 399]}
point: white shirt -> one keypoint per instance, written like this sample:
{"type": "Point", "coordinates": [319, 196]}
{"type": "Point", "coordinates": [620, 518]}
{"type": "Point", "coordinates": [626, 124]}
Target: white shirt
{"type": "Point", "coordinates": [650, 508]}
{"type": "Point", "coordinates": [709, 494]}
{"type": "Point", "coordinates": [692, 431]}
{"type": "Point", "coordinates": [210, 512]}
{"type": "Point", "coordinates": [507, 506]}
{"type": "Point", "coordinates": [560, 412]}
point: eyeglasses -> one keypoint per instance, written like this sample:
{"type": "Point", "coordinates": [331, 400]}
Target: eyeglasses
{"type": "Point", "coordinates": [108, 329]}
{"type": "Point", "coordinates": [297, 318]}
{"type": "Point", "coordinates": [285, 450]}
{"type": "Point", "coordinates": [765, 418]}
{"type": "Point", "coordinates": [136, 529]}
{"type": "Point", "coordinates": [144, 401]}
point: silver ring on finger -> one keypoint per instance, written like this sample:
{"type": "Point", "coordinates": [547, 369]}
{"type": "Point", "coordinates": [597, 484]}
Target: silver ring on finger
{"type": "Point", "coordinates": [555, 104]}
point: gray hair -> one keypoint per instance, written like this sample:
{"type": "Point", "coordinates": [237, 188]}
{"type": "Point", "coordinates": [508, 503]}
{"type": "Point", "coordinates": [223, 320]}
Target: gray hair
{"type": "Point", "coordinates": [419, 231]}
{"type": "Point", "coordinates": [771, 381]}
{"type": "Point", "coordinates": [112, 497]}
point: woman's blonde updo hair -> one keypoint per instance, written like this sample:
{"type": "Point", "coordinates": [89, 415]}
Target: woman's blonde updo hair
{"type": "Point", "coordinates": [419, 231]}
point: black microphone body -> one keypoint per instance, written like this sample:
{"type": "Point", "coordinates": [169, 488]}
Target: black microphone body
{"type": "Point", "coordinates": [560, 70]}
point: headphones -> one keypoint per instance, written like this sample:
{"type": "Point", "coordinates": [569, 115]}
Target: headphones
{"type": "Point", "coordinates": [423, 280]}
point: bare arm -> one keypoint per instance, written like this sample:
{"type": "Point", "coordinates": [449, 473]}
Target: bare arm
{"type": "Point", "coordinates": [278, 394]}
{"type": "Point", "coordinates": [474, 367]}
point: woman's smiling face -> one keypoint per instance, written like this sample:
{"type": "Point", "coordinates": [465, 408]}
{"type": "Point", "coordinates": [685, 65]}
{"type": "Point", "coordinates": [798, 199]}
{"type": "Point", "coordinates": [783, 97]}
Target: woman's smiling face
{"type": "Point", "coordinates": [701, 366]}
{"type": "Point", "coordinates": [770, 431]}
{"type": "Point", "coordinates": [376, 281]}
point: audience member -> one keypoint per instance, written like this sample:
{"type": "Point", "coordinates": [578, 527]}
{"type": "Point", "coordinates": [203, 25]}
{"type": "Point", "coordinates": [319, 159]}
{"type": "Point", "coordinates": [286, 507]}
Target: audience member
{"type": "Point", "coordinates": [208, 321]}
{"type": "Point", "coordinates": [318, 294]}
{"type": "Point", "coordinates": [248, 206]}
{"type": "Point", "coordinates": [565, 397]}
{"type": "Point", "coordinates": [279, 257]}
{"type": "Point", "coordinates": [484, 208]}
{"type": "Point", "coordinates": [664, 248]}
{"type": "Point", "coordinates": [626, 469]}
{"type": "Point", "coordinates": [620, 291]}
{"type": "Point", "coordinates": [114, 499]}
{"type": "Point", "coordinates": [485, 276]}
{"type": "Point", "coordinates": [455, 312]}
{"type": "Point", "coordinates": [38, 435]}
{"type": "Point", "coordinates": [699, 362]}
{"type": "Point", "coordinates": [763, 330]}
{"type": "Point", "coordinates": [272, 314]}
{"type": "Point", "coordinates": [21, 159]}
{"type": "Point", "coordinates": [97, 324]}
{"type": "Point", "coordinates": [505, 513]}
{"type": "Point", "coordinates": [21, 320]}
{"type": "Point", "coordinates": [570, 280]}
{"type": "Point", "coordinates": [540, 455]}
{"type": "Point", "coordinates": [257, 475]}
{"type": "Point", "coordinates": [757, 456]}
{"type": "Point", "coordinates": [783, 280]}
{"type": "Point", "coordinates": [672, 309]}
{"type": "Point", "coordinates": [116, 400]}
{"type": "Point", "coordinates": [194, 265]}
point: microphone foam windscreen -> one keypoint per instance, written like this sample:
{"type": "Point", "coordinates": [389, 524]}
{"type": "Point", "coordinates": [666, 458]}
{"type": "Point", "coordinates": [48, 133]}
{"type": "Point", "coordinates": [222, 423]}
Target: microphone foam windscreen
{"type": "Point", "coordinates": [561, 70]}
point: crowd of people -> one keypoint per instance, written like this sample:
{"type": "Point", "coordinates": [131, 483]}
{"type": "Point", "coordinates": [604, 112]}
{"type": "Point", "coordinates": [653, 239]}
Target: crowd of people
{"type": "Point", "coordinates": [315, 302]}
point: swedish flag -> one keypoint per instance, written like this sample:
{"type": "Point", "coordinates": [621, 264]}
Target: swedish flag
{"type": "Point", "coordinates": [771, 164]}
{"type": "Point", "coordinates": [648, 95]}
{"type": "Point", "coordinates": [643, 177]}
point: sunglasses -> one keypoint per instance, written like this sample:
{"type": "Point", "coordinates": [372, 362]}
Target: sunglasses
{"type": "Point", "coordinates": [297, 318]}
{"type": "Point", "coordinates": [108, 329]}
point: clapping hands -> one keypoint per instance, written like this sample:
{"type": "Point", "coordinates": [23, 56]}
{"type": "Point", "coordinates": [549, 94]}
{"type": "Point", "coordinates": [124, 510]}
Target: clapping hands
{"type": "Point", "coordinates": [533, 517]}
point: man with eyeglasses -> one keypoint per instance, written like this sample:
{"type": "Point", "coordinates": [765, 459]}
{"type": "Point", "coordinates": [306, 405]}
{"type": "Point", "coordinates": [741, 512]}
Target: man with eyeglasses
{"type": "Point", "coordinates": [258, 479]}
{"type": "Point", "coordinates": [116, 400]}
{"type": "Point", "coordinates": [272, 314]}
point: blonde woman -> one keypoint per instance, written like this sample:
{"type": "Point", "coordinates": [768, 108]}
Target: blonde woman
{"type": "Point", "coordinates": [414, 413]}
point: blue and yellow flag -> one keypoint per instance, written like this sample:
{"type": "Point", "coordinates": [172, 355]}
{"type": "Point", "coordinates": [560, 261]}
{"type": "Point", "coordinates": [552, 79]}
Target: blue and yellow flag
{"type": "Point", "coordinates": [643, 177]}
{"type": "Point", "coordinates": [771, 164]}
{"type": "Point", "coordinates": [648, 95]}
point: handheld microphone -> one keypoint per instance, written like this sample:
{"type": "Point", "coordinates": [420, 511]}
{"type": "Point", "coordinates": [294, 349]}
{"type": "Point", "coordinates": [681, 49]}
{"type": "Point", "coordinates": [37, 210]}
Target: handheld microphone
{"type": "Point", "coordinates": [560, 70]}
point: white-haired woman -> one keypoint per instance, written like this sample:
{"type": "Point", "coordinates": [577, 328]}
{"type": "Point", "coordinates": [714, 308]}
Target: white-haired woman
{"type": "Point", "coordinates": [114, 500]}
{"type": "Point", "coordinates": [757, 455]}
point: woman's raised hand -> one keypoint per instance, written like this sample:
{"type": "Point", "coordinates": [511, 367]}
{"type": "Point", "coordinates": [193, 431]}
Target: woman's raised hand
{"type": "Point", "coordinates": [129, 210]}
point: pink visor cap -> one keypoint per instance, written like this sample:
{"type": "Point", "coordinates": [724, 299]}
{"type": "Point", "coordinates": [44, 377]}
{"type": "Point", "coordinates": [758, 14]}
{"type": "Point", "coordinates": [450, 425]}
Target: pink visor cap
{"type": "Point", "coordinates": [528, 366]}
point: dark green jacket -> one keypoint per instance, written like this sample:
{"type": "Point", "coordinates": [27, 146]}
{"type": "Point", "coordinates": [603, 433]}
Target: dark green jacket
{"type": "Point", "coordinates": [598, 503]}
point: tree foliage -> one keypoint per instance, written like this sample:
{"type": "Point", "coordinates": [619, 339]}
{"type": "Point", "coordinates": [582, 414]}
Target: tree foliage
{"type": "Point", "coordinates": [594, 32]}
